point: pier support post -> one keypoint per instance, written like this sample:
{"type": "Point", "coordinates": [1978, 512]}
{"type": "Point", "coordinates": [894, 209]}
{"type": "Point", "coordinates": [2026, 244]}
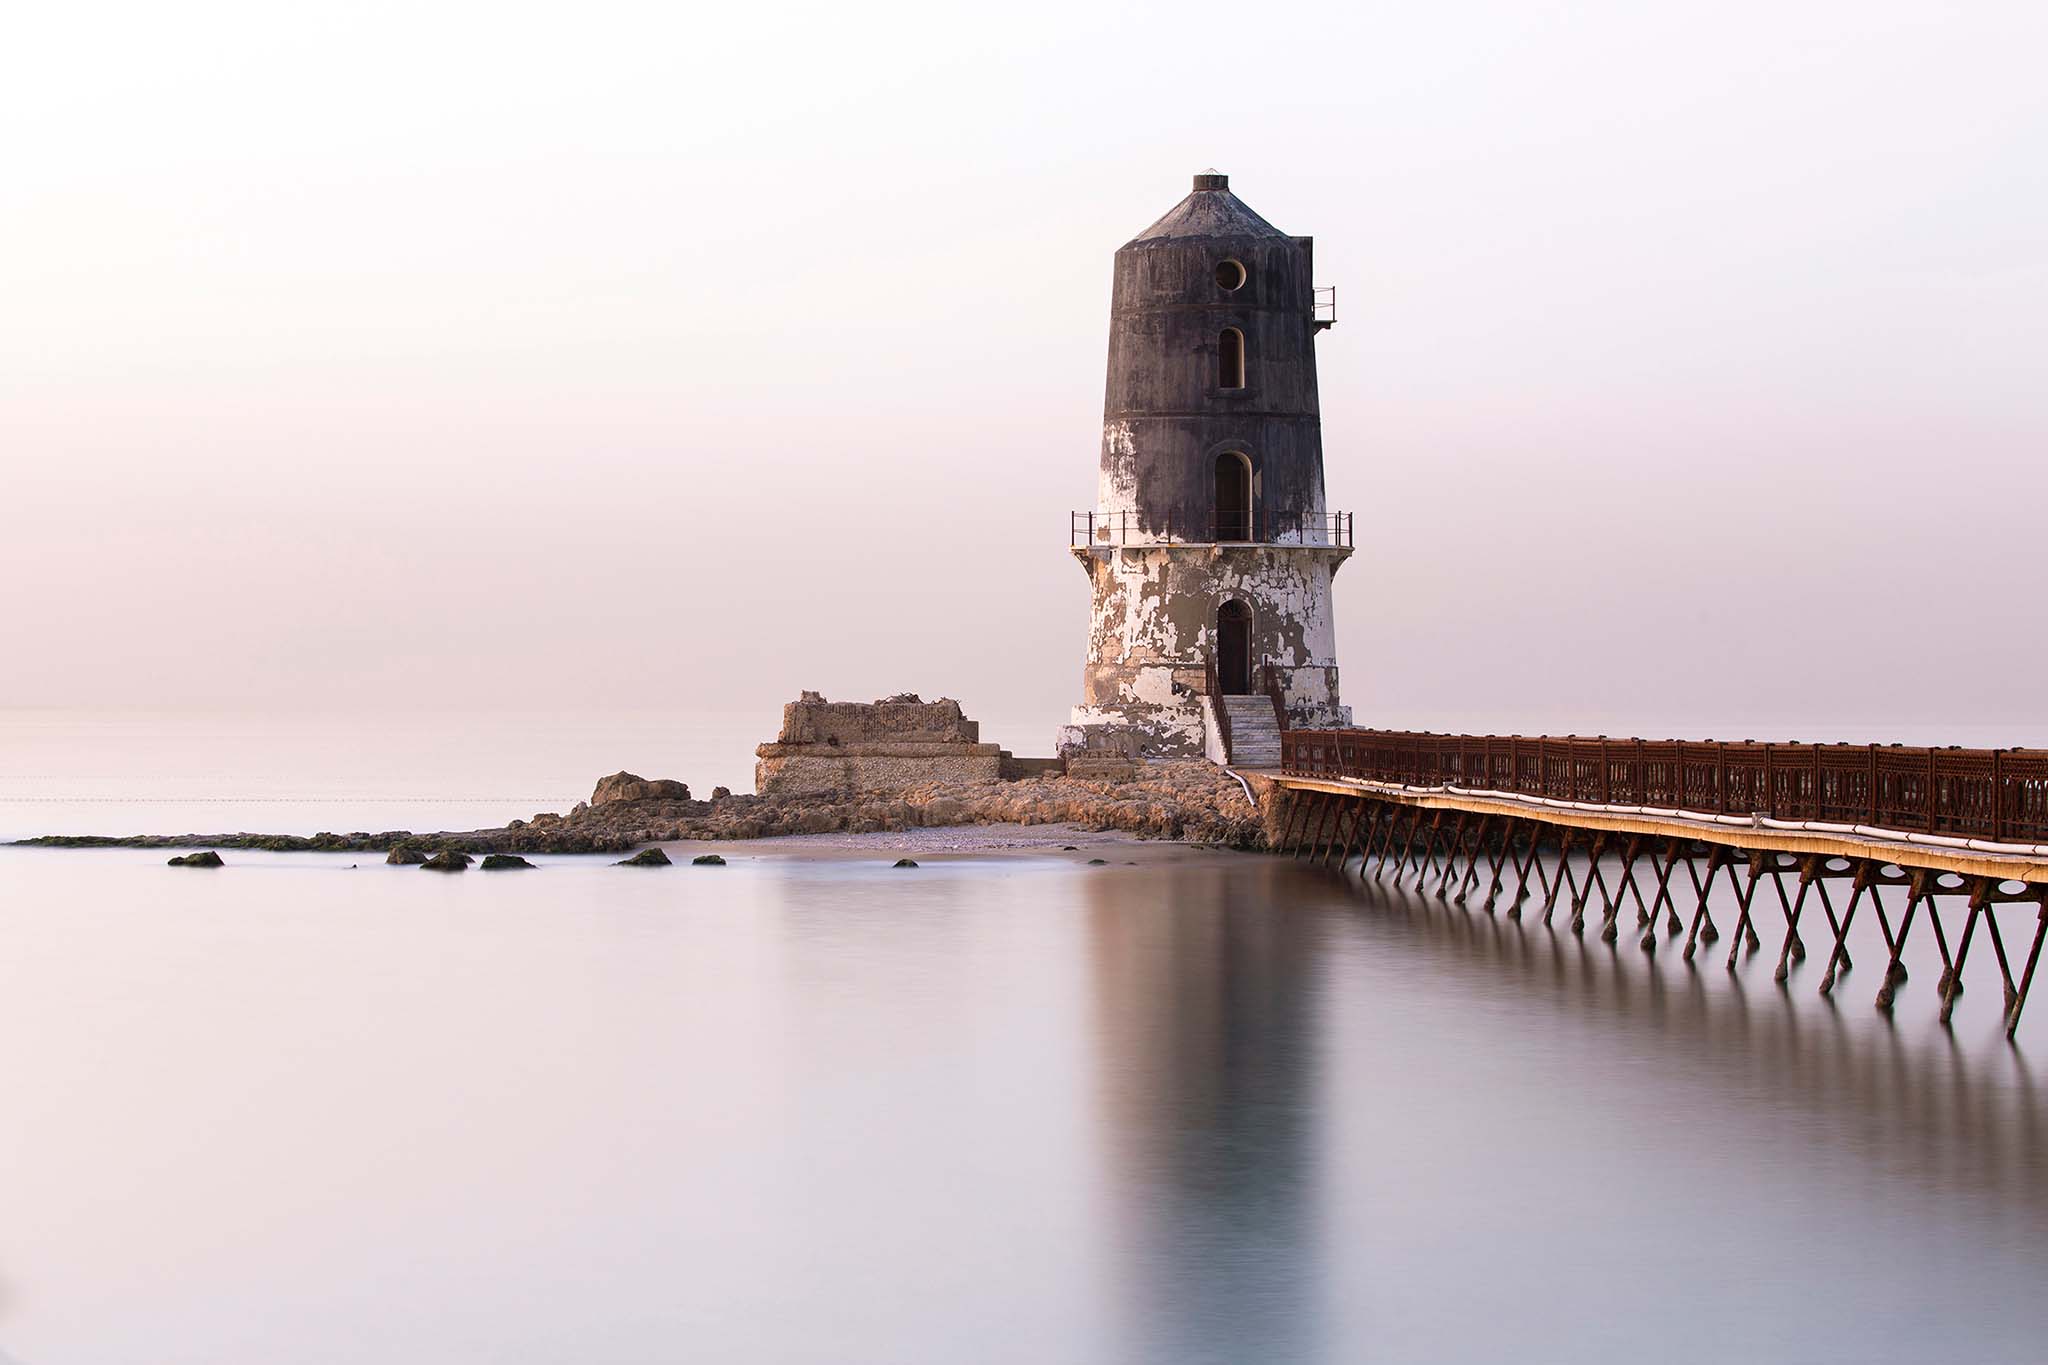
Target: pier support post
{"type": "Point", "coordinates": [1564, 867]}
{"type": "Point", "coordinates": [1838, 960]}
{"type": "Point", "coordinates": [1340, 846]}
{"type": "Point", "coordinates": [1580, 894]}
{"type": "Point", "coordinates": [2012, 1018]}
{"type": "Point", "coordinates": [1383, 843]}
{"type": "Point", "coordinates": [1663, 899]}
{"type": "Point", "coordinates": [1745, 894]}
{"type": "Point", "coordinates": [1426, 854]}
{"type": "Point", "coordinates": [1297, 804]}
{"type": "Point", "coordinates": [1894, 972]}
{"type": "Point", "coordinates": [1610, 926]}
{"type": "Point", "coordinates": [1473, 863]}
{"type": "Point", "coordinates": [1535, 833]}
{"type": "Point", "coordinates": [1457, 845]}
{"type": "Point", "coordinates": [1979, 890]}
{"type": "Point", "coordinates": [1329, 809]}
{"type": "Point", "coordinates": [1715, 857]}
{"type": "Point", "coordinates": [1808, 867]}
{"type": "Point", "coordinates": [1500, 857]}
{"type": "Point", "coordinates": [1948, 966]}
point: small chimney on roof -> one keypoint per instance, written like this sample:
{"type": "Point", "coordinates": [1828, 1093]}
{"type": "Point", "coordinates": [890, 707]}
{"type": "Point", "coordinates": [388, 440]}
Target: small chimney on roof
{"type": "Point", "coordinates": [1212, 179]}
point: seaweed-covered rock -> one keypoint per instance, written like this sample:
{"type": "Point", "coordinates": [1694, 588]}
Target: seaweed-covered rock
{"type": "Point", "coordinates": [447, 860]}
{"type": "Point", "coordinates": [505, 862]}
{"type": "Point", "coordinates": [207, 859]}
{"type": "Point", "coordinates": [406, 855]}
{"type": "Point", "coordinates": [707, 860]}
{"type": "Point", "coordinates": [904, 862]}
{"type": "Point", "coordinates": [646, 857]}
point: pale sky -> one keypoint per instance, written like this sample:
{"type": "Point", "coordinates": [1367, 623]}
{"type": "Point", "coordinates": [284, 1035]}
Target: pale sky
{"type": "Point", "coordinates": [1689, 377]}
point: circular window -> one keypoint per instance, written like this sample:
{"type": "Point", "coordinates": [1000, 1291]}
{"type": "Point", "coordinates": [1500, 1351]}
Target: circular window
{"type": "Point", "coordinates": [1229, 275]}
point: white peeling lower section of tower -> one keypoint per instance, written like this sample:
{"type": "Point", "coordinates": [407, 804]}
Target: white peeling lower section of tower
{"type": "Point", "coordinates": [1210, 550]}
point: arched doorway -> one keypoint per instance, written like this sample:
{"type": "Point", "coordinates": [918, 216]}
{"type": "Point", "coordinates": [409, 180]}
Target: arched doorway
{"type": "Point", "coordinates": [1234, 649]}
{"type": "Point", "coordinates": [1233, 497]}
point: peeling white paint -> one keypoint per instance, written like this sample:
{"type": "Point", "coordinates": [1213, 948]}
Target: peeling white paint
{"type": "Point", "coordinates": [1152, 631]}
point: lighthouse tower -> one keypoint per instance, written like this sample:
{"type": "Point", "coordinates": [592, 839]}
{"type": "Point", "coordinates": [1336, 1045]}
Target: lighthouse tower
{"type": "Point", "coordinates": [1210, 549]}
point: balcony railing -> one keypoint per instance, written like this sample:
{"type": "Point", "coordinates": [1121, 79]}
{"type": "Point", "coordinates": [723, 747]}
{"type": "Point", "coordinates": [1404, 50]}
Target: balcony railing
{"type": "Point", "coordinates": [1329, 529]}
{"type": "Point", "coordinates": [1325, 309]}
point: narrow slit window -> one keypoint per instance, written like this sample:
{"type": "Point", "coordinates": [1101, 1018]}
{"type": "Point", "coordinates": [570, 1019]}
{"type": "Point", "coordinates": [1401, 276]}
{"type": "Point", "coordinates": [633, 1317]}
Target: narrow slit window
{"type": "Point", "coordinates": [1230, 359]}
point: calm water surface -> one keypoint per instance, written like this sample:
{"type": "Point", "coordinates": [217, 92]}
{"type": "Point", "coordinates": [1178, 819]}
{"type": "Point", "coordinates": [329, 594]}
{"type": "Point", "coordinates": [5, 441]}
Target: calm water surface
{"type": "Point", "coordinates": [1210, 1108]}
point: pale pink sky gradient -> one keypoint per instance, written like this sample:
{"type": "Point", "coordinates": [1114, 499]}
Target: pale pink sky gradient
{"type": "Point", "coordinates": [1690, 374]}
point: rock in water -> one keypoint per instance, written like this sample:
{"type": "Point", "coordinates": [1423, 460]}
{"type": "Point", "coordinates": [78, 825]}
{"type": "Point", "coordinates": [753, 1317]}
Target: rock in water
{"type": "Point", "coordinates": [206, 859]}
{"type": "Point", "coordinates": [406, 855]}
{"type": "Point", "coordinates": [505, 862]}
{"type": "Point", "coordinates": [904, 862]}
{"type": "Point", "coordinates": [625, 786]}
{"type": "Point", "coordinates": [646, 857]}
{"type": "Point", "coordinates": [1098, 862]}
{"type": "Point", "coordinates": [447, 860]}
{"type": "Point", "coordinates": [707, 860]}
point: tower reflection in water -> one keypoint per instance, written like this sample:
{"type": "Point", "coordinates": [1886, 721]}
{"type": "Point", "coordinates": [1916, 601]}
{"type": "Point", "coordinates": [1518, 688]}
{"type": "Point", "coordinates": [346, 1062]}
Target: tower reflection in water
{"type": "Point", "coordinates": [1207, 1058]}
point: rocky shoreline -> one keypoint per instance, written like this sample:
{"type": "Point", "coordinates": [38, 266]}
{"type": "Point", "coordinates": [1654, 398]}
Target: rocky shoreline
{"type": "Point", "coordinates": [1188, 800]}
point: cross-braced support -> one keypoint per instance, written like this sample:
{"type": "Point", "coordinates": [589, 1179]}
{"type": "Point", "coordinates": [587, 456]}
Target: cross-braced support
{"type": "Point", "coordinates": [1451, 852]}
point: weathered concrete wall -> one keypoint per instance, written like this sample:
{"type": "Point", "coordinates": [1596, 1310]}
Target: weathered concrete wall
{"type": "Point", "coordinates": [1153, 628]}
{"type": "Point", "coordinates": [882, 746]}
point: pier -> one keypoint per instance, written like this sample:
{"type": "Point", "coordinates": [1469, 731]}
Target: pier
{"type": "Point", "coordinates": [1601, 825]}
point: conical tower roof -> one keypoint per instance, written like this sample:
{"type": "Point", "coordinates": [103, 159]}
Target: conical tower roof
{"type": "Point", "coordinates": [1211, 210]}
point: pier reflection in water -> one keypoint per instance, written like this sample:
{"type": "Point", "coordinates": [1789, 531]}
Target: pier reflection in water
{"type": "Point", "coordinates": [1345, 1118]}
{"type": "Point", "coordinates": [1209, 1108]}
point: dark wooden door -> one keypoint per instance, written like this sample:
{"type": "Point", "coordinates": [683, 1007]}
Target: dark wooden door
{"type": "Point", "coordinates": [1233, 497]}
{"type": "Point", "coordinates": [1234, 649]}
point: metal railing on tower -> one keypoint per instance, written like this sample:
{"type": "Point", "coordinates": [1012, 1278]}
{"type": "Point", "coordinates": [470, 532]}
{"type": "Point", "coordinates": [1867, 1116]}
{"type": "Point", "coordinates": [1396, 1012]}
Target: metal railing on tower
{"type": "Point", "coordinates": [1333, 530]}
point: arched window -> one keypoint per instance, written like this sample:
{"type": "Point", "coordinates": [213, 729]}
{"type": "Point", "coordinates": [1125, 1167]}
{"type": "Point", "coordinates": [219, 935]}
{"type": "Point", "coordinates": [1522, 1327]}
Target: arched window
{"type": "Point", "coordinates": [1235, 518]}
{"type": "Point", "coordinates": [1230, 359]}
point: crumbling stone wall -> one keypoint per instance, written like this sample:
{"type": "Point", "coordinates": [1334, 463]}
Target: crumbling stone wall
{"type": "Point", "coordinates": [881, 746]}
{"type": "Point", "coordinates": [902, 719]}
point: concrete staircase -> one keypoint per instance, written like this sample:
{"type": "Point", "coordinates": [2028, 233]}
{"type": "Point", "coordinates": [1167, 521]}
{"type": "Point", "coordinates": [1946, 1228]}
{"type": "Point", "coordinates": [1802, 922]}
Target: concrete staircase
{"type": "Point", "coordinates": [1254, 732]}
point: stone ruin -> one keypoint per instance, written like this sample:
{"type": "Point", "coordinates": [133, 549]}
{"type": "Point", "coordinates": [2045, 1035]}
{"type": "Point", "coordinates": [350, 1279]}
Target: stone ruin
{"type": "Point", "coordinates": [879, 746]}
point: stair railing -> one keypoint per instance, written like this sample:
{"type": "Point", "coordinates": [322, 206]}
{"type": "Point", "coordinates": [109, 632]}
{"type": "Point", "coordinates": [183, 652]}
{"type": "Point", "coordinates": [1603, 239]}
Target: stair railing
{"type": "Point", "coordinates": [1213, 681]}
{"type": "Point", "coordinates": [1270, 676]}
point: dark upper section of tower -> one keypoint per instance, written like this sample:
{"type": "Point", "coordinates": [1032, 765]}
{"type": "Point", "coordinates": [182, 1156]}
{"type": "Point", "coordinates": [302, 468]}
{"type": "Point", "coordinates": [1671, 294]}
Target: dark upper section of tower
{"type": "Point", "coordinates": [1212, 351]}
